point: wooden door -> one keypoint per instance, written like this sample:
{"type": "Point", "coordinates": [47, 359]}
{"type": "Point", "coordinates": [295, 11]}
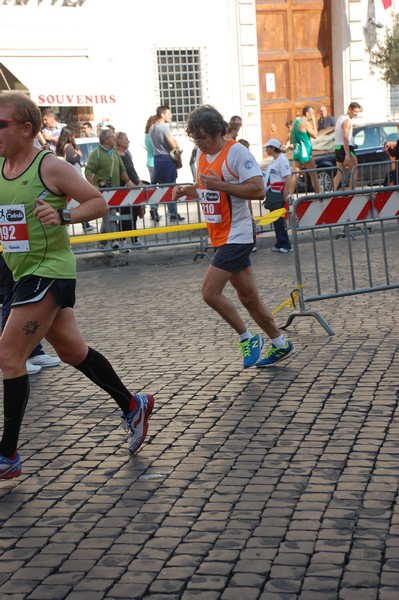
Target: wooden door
{"type": "Point", "coordinates": [294, 57]}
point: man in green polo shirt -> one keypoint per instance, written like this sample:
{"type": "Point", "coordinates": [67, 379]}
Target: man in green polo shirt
{"type": "Point", "coordinates": [105, 169]}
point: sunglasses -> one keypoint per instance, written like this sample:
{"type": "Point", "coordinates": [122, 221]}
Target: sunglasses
{"type": "Point", "coordinates": [4, 123]}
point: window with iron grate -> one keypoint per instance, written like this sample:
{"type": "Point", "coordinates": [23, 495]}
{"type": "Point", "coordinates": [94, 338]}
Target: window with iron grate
{"type": "Point", "coordinates": [180, 81]}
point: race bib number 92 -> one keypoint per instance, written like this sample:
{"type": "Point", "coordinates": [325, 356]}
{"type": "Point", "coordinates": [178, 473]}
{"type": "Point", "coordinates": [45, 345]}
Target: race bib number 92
{"type": "Point", "coordinates": [13, 228]}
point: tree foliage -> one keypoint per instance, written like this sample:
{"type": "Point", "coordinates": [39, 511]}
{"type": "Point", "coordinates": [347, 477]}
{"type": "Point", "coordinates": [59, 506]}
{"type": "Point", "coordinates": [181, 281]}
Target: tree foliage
{"type": "Point", "coordinates": [385, 56]}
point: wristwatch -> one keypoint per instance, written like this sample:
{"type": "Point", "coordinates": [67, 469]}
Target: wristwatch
{"type": "Point", "coordinates": [65, 216]}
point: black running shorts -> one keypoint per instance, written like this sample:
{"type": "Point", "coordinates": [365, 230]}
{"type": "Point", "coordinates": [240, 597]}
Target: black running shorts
{"type": "Point", "coordinates": [233, 257]}
{"type": "Point", "coordinates": [340, 153]}
{"type": "Point", "coordinates": [31, 289]}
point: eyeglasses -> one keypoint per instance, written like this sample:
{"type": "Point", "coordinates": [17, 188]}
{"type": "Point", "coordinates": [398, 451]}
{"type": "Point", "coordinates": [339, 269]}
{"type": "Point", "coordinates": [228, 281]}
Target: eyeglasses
{"type": "Point", "coordinates": [198, 138]}
{"type": "Point", "coordinates": [4, 123]}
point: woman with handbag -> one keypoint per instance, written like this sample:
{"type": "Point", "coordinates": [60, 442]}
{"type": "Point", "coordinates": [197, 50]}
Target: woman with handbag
{"type": "Point", "coordinates": [277, 184]}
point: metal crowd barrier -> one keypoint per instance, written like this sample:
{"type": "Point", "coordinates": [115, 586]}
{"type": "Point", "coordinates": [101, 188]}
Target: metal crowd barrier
{"type": "Point", "coordinates": [359, 263]}
{"type": "Point", "coordinates": [149, 234]}
{"type": "Point", "coordinates": [366, 175]}
{"type": "Point", "coordinates": [325, 175]}
{"type": "Point", "coordinates": [119, 235]}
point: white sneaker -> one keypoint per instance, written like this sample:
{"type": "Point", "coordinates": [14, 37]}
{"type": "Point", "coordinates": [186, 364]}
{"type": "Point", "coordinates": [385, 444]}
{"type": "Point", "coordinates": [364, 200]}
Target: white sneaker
{"type": "Point", "coordinates": [44, 360]}
{"type": "Point", "coordinates": [282, 250]}
{"type": "Point", "coordinates": [32, 369]}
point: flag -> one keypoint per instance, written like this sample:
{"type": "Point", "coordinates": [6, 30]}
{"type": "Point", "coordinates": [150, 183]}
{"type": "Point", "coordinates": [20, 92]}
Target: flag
{"type": "Point", "coordinates": [387, 3]}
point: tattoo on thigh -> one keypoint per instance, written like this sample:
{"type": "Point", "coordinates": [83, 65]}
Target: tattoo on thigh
{"type": "Point", "coordinates": [31, 327]}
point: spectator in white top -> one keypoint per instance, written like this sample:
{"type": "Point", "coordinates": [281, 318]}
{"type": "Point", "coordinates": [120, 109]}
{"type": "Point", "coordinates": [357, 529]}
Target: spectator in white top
{"type": "Point", "coordinates": [277, 179]}
{"type": "Point", "coordinates": [345, 146]}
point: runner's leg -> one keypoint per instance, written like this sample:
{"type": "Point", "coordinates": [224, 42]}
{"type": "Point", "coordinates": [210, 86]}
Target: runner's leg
{"type": "Point", "coordinates": [354, 172]}
{"type": "Point", "coordinates": [25, 327]}
{"type": "Point", "coordinates": [245, 286]}
{"type": "Point", "coordinates": [313, 175]}
{"type": "Point", "coordinates": [294, 177]}
{"type": "Point", "coordinates": [67, 340]}
{"type": "Point", "coordinates": [212, 292]}
{"type": "Point", "coordinates": [338, 175]}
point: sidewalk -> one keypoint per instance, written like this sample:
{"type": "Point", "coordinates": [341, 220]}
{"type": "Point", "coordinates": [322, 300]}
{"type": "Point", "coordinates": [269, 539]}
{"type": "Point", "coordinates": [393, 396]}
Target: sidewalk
{"type": "Point", "coordinates": [275, 484]}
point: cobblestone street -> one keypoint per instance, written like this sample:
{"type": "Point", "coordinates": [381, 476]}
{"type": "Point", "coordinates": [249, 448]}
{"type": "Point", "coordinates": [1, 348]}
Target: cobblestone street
{"type": "Point", "coordinates": [273, 484]}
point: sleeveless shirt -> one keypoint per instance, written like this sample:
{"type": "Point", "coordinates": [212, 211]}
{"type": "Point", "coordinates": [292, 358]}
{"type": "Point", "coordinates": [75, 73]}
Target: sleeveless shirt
{"type": "Point", "coordinates": [228, 218]}
{"type": "Point", "coordinates": [339, 134]}
{"type": "Point", "coordinates": [49, 253]}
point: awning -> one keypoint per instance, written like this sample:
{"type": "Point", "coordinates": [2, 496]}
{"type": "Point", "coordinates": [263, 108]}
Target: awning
{"type": "Point", "coordinates": [58, 81]}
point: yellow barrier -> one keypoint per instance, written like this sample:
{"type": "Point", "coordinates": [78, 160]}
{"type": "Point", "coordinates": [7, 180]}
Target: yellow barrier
{"type": "Point", "coordinates": [290, 302]}
{"type": "Point", "coordinates": [99, 237]}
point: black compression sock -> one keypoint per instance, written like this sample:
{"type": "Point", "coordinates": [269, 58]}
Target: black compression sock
{"type": "Point", "coordinates": [16, 394]}
{"type": "Point", "coordinates": [97, 368]}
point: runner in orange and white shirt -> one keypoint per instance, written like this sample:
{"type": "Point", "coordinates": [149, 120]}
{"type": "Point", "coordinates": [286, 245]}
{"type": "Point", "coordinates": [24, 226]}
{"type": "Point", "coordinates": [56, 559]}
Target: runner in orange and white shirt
{"type": "Point", "coordinates": [228, 178]}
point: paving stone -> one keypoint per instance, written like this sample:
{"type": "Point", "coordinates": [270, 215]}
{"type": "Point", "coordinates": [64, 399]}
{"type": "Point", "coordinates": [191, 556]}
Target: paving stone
{"type": "Point", "coordinates": [283, 586]}
{"type": "Point", "coordinates": [277, 485]}
{"type": "Point", "coordinates": [359, 594]}
{"type": "Point", "coordinates": [240, 592]}
{"type": "Point", "coordinates": [199, 595]}
{"type": "Point", "coordinates": [364, 580]}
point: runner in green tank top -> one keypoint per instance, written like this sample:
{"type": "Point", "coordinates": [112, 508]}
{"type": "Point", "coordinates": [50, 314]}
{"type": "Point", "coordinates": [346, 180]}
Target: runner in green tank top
{"type": "Point", "coordinates": [303, 130]}
{"type": "Point", "coordinates": [34, 187]}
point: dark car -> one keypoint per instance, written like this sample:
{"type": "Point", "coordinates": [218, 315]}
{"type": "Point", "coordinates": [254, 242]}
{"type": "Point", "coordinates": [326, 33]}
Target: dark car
{"type": "Point", "coordinates": [374, 161]}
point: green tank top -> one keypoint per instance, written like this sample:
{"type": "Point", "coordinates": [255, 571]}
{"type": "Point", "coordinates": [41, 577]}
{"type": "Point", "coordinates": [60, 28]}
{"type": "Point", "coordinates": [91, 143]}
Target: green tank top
{"type": "Point", "coordinates": [301, 142]}
{"type": "Point", "coordinates": [49, 253]}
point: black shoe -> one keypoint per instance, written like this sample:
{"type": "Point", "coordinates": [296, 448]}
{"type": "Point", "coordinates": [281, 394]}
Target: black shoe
{"type": "Point", "coordinates": [155, 216]}
{"type": "Point", "coordinates": [176, 218]}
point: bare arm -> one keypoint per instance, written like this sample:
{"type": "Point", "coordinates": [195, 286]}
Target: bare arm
{"type": "Point", "coordinates": [311, 127]}
{"type": "Point", "coordinates": [287, 185]}
{"type": "Point", "coordinates": [346, 128]}
{"type": "Point", "coordinates": [89, 178]}
{"type": "Point", "coordinates": [172, 142]}
{"type": "Point", "coordinates": [61, 178]}
{"type": "Point", "coordinates": [184, 190]}
{"type": "Point", "coordinates": [125, 178]}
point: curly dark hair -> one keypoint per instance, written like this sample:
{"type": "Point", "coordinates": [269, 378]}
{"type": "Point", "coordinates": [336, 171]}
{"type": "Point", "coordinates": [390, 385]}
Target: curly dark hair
{"type": "Point", "coordinates": [206, 118]}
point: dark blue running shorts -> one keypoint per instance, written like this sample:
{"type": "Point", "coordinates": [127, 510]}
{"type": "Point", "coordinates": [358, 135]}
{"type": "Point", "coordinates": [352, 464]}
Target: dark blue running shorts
{"type": "Point", "coordinates": [31, 289]}
{"type": "Point", "coordinates": [233, 257]}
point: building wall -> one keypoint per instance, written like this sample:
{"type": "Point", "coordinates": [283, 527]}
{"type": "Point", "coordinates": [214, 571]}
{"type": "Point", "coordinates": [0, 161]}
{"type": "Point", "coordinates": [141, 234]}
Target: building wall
{"type": "Point", "coordinates": [353, 36]}
{"type": "Point", "coordinates": [122, 49]}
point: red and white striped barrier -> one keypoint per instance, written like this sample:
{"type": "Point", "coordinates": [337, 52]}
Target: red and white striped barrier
{"type": "Point", "coordinates": [150, 195]}
{"type": "Point", "coordinates": [138, 196]}
{"type": "Point", "coordinates": [342, 209]}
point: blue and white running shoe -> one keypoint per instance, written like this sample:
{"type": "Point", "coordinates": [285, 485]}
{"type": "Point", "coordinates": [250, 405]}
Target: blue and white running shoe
{"type": "Point", "coordinates": [275, 354]}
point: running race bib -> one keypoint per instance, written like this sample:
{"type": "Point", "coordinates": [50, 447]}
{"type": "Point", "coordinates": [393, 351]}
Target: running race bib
{"type": "Point", "coordinates": [13, 228]}
{"type": "Point", "coordinates": [210, 204]}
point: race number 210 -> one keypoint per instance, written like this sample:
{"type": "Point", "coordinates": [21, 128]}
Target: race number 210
{"type": "Point", "coordinates": [208, 208]}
